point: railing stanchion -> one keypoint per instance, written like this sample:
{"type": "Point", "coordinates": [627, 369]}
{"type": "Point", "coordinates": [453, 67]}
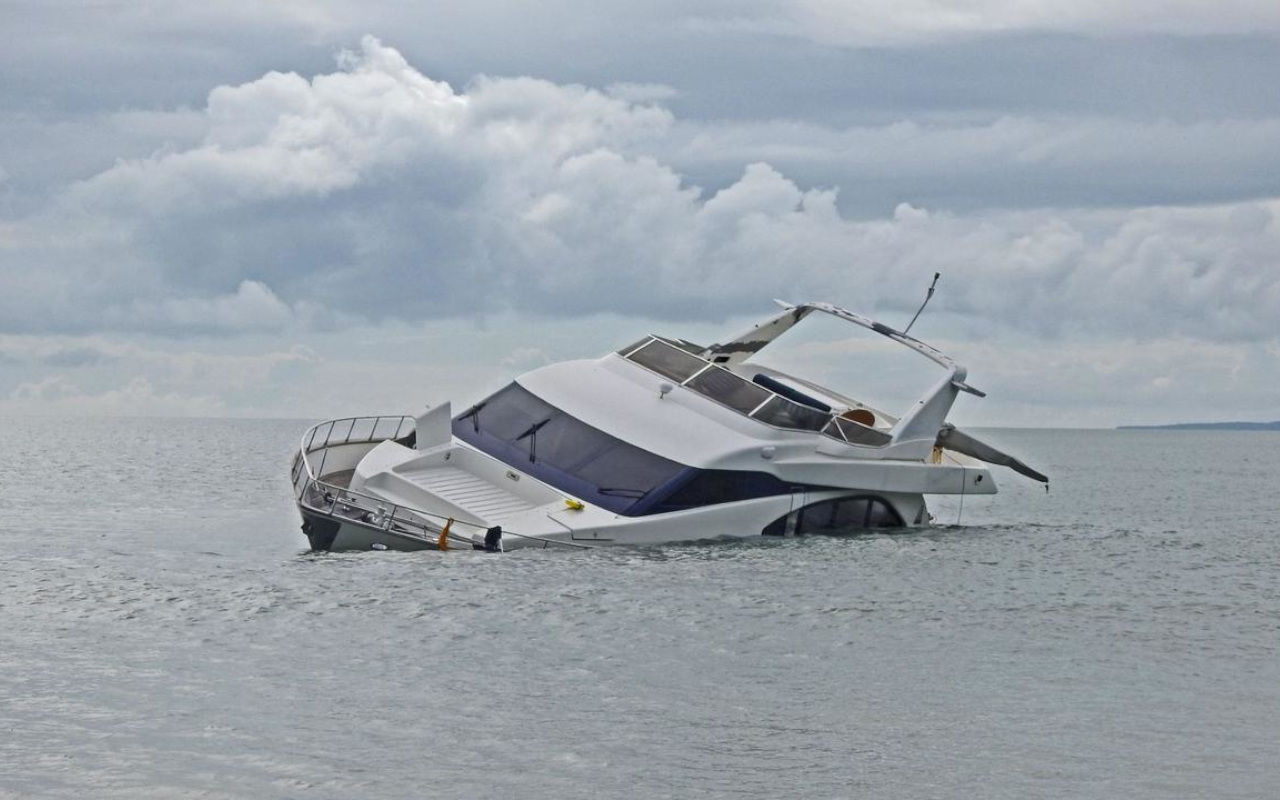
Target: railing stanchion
{"type": "Point", "coordinates": [359, 502]}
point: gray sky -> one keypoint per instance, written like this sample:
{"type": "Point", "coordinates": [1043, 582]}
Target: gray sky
{"type": "Point", "coordinates": [322, 208]}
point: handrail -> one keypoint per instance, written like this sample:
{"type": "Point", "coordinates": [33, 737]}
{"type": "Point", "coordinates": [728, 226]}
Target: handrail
{"type": "Point", "coordinates": [753, 413]}
{"type": "Point", "coordinates": [352, 500]}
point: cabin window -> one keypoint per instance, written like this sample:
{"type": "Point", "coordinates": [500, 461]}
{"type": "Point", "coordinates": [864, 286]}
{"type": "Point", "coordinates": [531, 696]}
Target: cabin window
{"type": "Point", "coordinates": [667, 360]}
{"type": "Point", "coordinates": [785, 414]}
{"type": "Point", "coordinates": [527, 433]}
{"type": "Point", "coordinates": [834, 516]}
{"type": "Point", "coordinates": [855, 433]}
{"type": "Point", "coordinates": [722, 385]}
{"type": "Point", "coordinates": [791, 393]}
{"type": "Point", "coordinates": [713, 486]}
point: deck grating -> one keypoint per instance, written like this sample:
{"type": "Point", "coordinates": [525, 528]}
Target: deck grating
{"type": "Point", "coordinates": [475, 494]}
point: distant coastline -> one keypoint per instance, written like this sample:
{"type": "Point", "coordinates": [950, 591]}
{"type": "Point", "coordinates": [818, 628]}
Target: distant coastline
{"type": "Point", "coordinates": [1206, 426]}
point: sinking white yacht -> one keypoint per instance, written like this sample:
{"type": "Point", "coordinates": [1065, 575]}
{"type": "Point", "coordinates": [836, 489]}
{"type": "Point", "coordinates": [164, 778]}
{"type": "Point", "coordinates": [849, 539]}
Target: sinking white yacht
{"type": "Point", "coordinates": [660, 441]}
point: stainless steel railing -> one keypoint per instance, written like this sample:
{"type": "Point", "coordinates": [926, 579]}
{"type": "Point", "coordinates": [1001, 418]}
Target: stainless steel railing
{"type": "Point", "coordinates": [743, 396]}
{"type": "Point", "coordinates": [332, 500]}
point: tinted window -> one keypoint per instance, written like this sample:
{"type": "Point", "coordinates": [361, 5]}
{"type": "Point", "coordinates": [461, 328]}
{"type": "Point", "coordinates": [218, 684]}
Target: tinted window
{"type": "Point", "coordinates": [785, 414]}
{"type": "Point", "coordinates": [625, 471]}
{"type": "Point", "coordinates": [846, 514]}
{"type": "Point", "coordinates": [791, 393]}
{"type": "Point", "coordinates": [834, 516]}
{"type": "Point", "coordinates": [508, 413]}
{"type": "Point", "coordinates": [880, 515]}
{"type": "Point", "coordinates": [666, 360]}
{"type": "Point", "coordinates": [712, 486]}
{"type": "Point", "coordinates": [850, 431]}
{"type": "Point", "coordinates": [722, 385]}
{"type": "Point", "coordinates": [527, 433]}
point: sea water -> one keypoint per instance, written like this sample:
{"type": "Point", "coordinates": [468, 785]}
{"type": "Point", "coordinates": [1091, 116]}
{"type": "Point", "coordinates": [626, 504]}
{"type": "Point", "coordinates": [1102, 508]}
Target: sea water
{"type": "Point", "coordinates": [164, 633]}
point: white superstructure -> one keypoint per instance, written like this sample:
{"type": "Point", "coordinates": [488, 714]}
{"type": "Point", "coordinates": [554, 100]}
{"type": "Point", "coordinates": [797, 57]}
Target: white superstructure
{"type": "Point", "coordinates": [660, 441]}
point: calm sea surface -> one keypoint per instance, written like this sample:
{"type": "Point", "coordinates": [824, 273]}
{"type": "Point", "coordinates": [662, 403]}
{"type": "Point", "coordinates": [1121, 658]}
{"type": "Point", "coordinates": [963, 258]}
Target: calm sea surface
{"type": "Point", "coordinates": [163, 633]}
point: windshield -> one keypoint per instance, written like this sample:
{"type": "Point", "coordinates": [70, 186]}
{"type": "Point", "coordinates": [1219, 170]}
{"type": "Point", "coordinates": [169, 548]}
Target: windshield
{"type": "Point", "coordinates": [518, 428]}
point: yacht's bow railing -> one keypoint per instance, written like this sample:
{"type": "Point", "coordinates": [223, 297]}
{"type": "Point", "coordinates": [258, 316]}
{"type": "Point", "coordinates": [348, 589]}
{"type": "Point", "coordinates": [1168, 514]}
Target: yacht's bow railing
{"type": "Point", "coordinates": [333, 499]}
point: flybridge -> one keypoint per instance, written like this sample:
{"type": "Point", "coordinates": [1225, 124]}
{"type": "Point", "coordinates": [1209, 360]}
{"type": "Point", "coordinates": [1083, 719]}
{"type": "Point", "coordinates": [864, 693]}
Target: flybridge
{"type": "Point", "coordinates": [763, 398]}
{"type": "Point", "coordinates": [718, 372]}
{"type": "Point", "coordinates": [769, 398]}
{"type": "Point", "coordinates": [921, 422]}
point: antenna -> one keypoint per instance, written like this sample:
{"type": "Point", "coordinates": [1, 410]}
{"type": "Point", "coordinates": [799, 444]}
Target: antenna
{"type": "Point", "coordinates": [927, 298]}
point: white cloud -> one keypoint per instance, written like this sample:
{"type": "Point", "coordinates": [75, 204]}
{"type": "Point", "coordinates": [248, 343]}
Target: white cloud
{"type": "Point", "coordinates": [377, 192]}
{"type": "Point", "coordinates": [253, 307]}
{"type": "Point", "coordinates": [1006, 161]}
{"type": "Point", "coordinates": [1096, 181]}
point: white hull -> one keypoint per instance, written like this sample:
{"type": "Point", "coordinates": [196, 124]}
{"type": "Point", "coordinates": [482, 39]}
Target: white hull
{"type": "Point", "coordinates": [334, 531]}
{"type": "Point", "coordinates": [338, 518]}
{"type": "Point", "coordinates": [659, 442]}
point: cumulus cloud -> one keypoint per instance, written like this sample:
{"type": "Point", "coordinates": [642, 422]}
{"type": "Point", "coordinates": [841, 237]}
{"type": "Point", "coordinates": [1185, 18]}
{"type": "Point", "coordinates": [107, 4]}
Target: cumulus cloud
{"type": "Point", "coordinates": [1007, 162]}
{"type": "Point", "coordinates": [376, 192]}
{"type": "Point", "coordinates": [252, 307]}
